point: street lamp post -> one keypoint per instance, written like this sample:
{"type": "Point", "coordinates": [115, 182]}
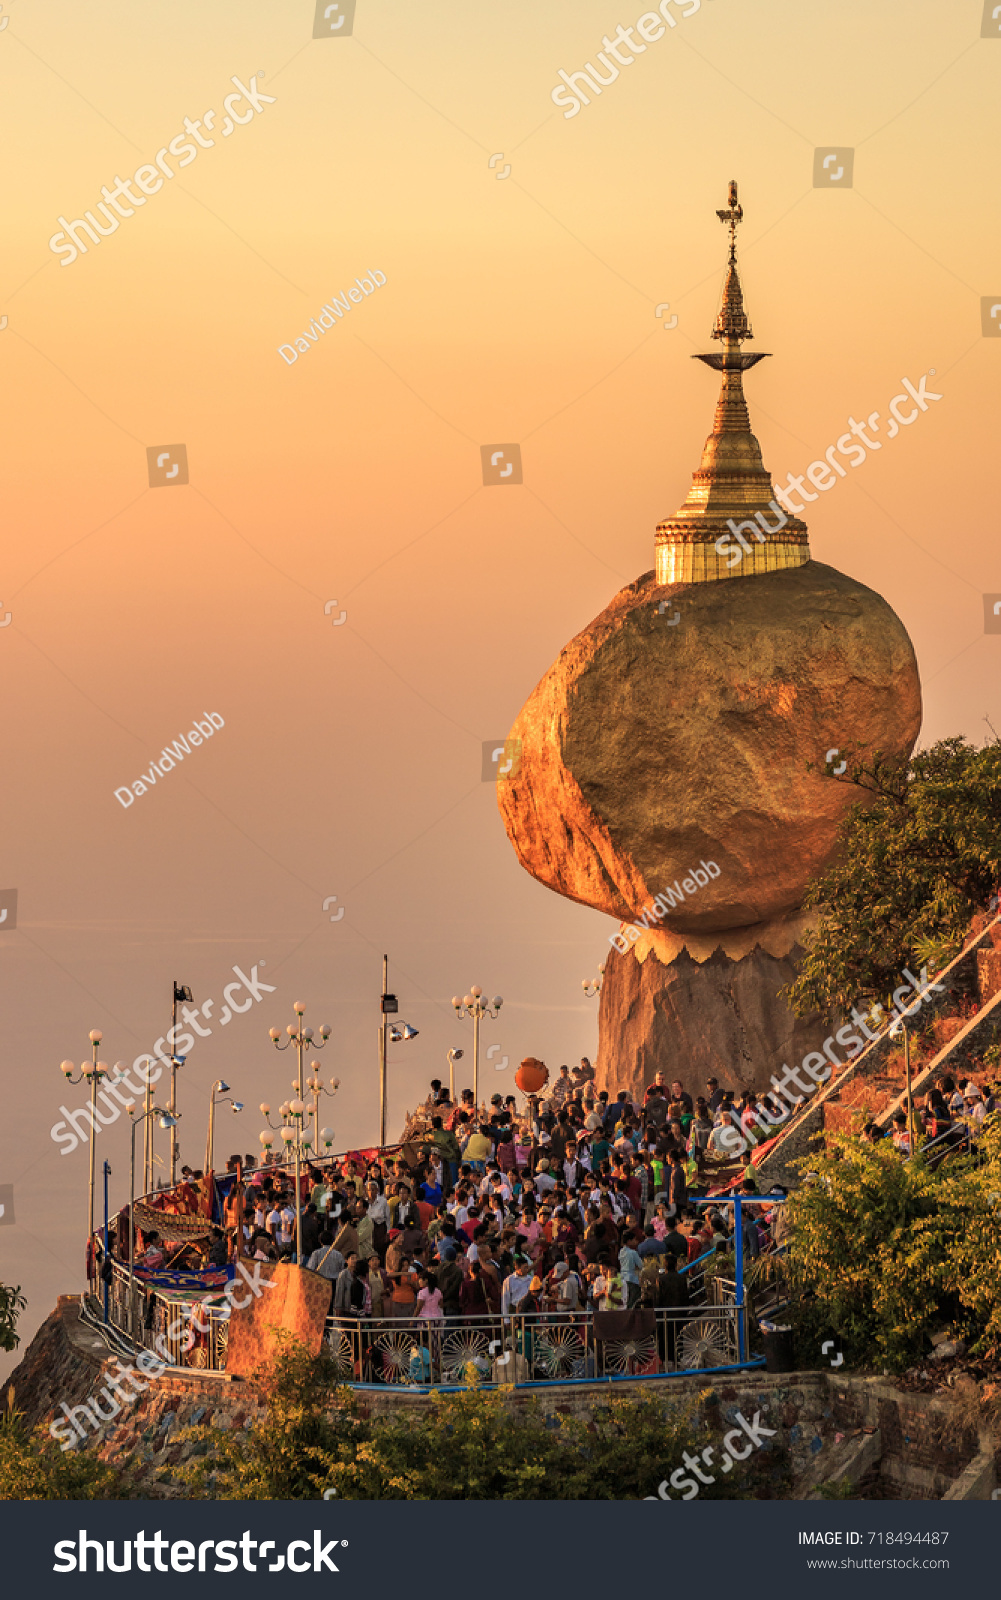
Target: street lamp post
{"type": "Point", "coordinates": [93, 1072]}
{"type": "Point", "coordinates": [166, 1121]}
{"type": "Point", "coordinates": [303, 1040]}
{"type": "Point", "coordinates": [183, 993]}
{"type": "Point", "coordinates": [452, 1058]}
{"type": "Point", "coordinates": [473, 1005]}
{"type": "Point", "coordinates": [900, 1026]}
{"type": "Point", "coordinates": [389, 1006]}
{"type": "Point", "coordinates": [148, 1141]}
{"type": "Point", "coordinates": [592, 986]}
{"type": "Point", "coordinates": [104, 1264]}
{"type": "Point", "coordinates": [316, 1088]}
{"type": "Point", "coordinates": [218, 1088]}
{"type": "Point", "coordinates": [296, 1139]}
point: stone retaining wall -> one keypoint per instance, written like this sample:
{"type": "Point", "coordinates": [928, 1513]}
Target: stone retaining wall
{"type": "Point", "coordinates": [929, 1440]}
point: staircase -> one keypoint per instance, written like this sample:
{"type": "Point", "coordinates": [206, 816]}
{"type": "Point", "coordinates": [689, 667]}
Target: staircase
{"type": "Point", "coordinates": [872, 1086]}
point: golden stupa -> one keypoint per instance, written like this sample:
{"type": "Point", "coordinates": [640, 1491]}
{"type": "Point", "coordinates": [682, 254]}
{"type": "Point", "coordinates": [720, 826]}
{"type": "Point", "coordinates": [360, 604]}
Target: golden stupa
{"type": "Point", "coordinates": [732, 483]}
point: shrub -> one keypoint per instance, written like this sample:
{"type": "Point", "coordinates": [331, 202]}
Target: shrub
{"type": "Point", "coordinates": [885, 1251]}
{"type": "Point", "coordinates": [311, 1421]}
{"type": "Point", "coordinates": [12, 1303]}
{"type": "Point", "coordinates": [33, 1467]}
{"type": "Point", "coordinates": [472, 1445]}
{"type": "Point", "coordinates": [917, 857]}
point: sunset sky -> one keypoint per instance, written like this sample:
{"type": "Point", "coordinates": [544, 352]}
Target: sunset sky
{"type": "Point", "coordinates": [514, 309]}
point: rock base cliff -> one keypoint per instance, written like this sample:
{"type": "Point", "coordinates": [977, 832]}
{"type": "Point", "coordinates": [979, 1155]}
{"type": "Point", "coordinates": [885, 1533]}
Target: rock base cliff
{"type": "Point", "coordinates": [699, 1009]}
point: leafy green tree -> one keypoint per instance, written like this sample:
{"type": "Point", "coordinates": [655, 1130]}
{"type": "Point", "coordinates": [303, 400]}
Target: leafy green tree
{"type": "Point", "coordinates": [34, 1467]}
{"type": "Point", "coordinates": [917, 857]}
{"type": "Point", "coordinates": [311, 1420]}
{"type": "Point", "coordinates": [885, 1252]}
{"type": "Point", "coordinates": [476, 1446]}
{"type": "Point", "coordinates": [468, 1445]}
{"type": "Point", "coordinates": [12, 1303]}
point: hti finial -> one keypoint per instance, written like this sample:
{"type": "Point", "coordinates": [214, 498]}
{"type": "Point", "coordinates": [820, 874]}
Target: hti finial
{"type": "Point", "coordinates": [731, 216]}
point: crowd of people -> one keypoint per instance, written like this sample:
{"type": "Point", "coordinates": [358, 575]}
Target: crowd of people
{"type": "Point", "coordinates": [575, 1203]}
{"type": "Point", "coordinates": [949, 1114]}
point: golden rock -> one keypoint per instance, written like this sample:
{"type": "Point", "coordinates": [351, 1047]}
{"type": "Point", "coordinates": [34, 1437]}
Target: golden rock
{"type": "Point", "coordinates": [679, 727]}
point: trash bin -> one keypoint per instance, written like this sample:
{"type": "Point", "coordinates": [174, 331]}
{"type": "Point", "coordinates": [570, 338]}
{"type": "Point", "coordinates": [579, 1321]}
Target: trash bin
{"type": "Point", "coordinates": [777, 1340]}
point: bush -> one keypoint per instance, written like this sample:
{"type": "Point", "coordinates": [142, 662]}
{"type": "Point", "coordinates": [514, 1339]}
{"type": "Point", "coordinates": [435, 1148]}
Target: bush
{"type": "Point", "coordinates": [917, 857]}
{"type": "Point", "coordinates": [33, 1467]}
{"type": "Point", "coordinates": [311, 1420]}
{"type": "Point", "coordinates": [12, 1303]}
{"type": "Point", "coordinates": [465, 1446]}
{"type": "Point", "coordinates": [885, 1251]}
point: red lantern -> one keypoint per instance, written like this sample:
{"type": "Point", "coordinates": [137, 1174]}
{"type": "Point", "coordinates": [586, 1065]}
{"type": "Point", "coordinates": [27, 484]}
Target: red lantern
{"type": "Point", "coordinates": [532, 1076]}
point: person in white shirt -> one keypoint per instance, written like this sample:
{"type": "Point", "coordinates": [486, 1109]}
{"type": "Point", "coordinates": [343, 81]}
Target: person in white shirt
{"type": "Point", "coordinates": [573, 1173]}
{"type": "Point", "coordinates": [378, 1206]}
{"type": "Point", "coordinates": [544, 1180]}
{"type": "Point", "coordinates": [719, 1141]}
{"type": "Point", "coordinates": [973, 1110]}
{"type": "Point", "coordinates": [286, 1226]}
{"type": "Point", "coordinates": [563, 1288]}
{"type": "Point", "coordinates": [516, 1286]}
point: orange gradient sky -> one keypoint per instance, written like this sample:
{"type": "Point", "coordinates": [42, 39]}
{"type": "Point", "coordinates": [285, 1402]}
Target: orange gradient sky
{"type": "Point", "coordinates": [514, 309]}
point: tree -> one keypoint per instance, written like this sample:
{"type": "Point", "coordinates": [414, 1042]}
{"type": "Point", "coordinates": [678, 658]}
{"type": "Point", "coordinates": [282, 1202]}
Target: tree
{"type": "Point", "coordinates": [885, 1251]}
{"type": "Point", "coordinates": [311, 1421]}
{"type": "Point", "coordinates": [916, 860]}
{"type": "Point", "coordinates": [12, 1303]}
{"type": "Point", "coordinates": [474, 1444]}
{"type": "Point", "coordinates": [34, 1467]}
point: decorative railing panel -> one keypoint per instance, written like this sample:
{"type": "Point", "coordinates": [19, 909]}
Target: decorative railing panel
{"type": "Point", "coordinates": [539, 1347]}
{"type": "Point", "coordinates": [536, 1348]}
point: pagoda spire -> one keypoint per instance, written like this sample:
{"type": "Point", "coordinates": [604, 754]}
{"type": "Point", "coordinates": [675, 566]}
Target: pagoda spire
{"type": "Point", "coordinates": [732, 483]}
{"type": "Point", "coordinates": [732, 322]}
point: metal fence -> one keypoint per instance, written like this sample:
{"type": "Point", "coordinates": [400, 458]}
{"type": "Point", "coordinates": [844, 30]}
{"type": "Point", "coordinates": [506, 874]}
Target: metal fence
{"type": "Point", "coordinates": [534, 1348]}
{"type": "Point", "coordinates": [183, 1332]}
{"type": "Point", "coordinates": [542, 1347]}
